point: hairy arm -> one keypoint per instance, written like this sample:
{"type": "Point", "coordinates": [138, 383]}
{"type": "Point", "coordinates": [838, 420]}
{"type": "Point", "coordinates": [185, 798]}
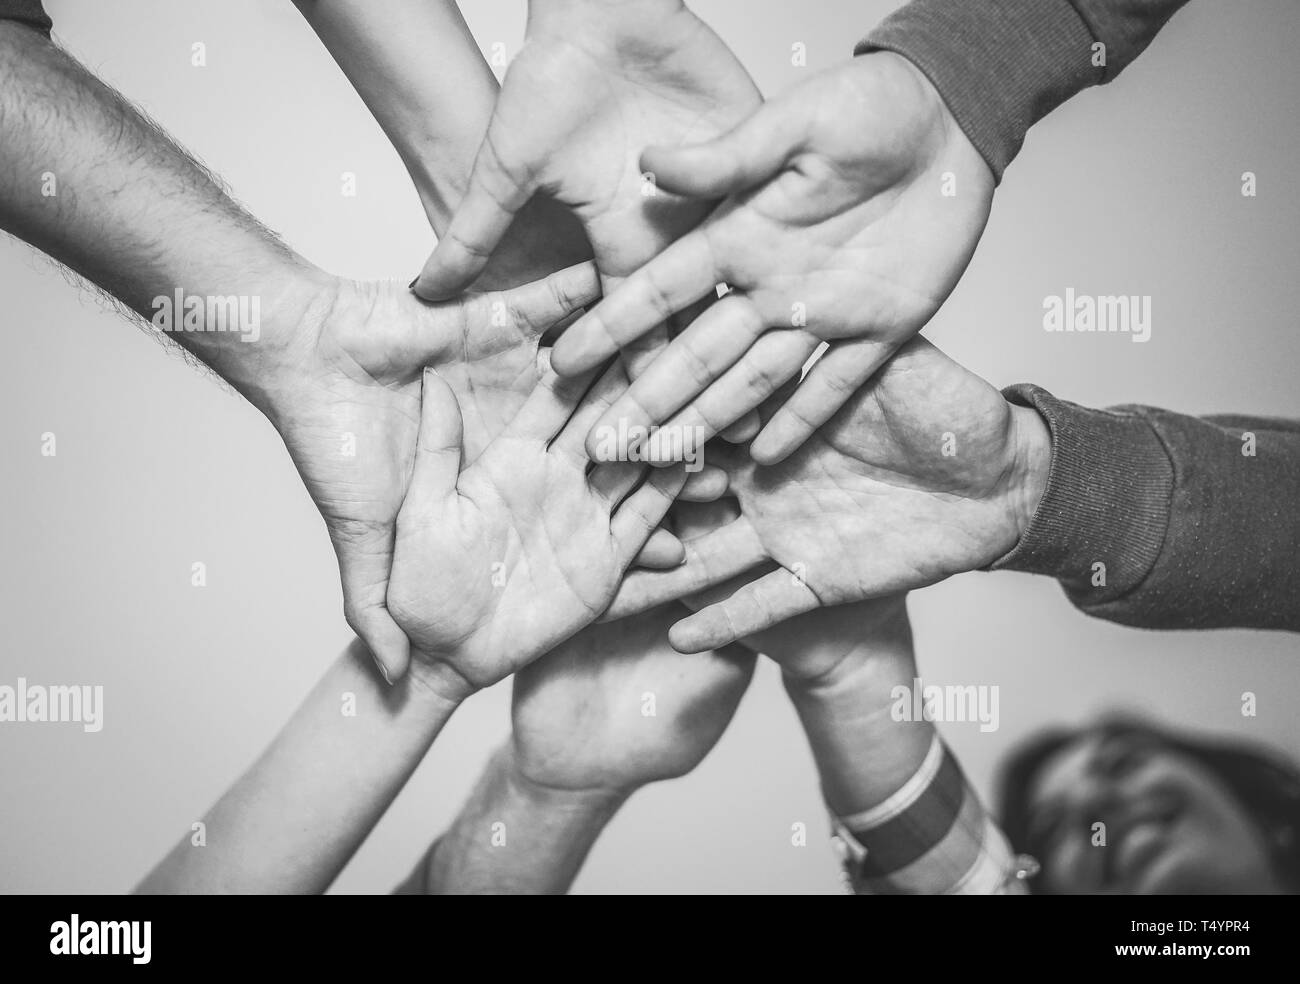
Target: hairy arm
{"type": "Point", "coordinates": [88, 179]}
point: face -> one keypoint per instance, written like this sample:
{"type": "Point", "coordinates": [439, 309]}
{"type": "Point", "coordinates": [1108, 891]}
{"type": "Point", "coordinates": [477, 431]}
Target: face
{"type": "Point", "coordinates": [1170, 825]}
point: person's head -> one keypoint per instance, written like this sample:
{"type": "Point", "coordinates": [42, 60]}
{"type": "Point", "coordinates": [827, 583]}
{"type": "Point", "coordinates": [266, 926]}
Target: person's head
{"type": "Point", "coordinates": [1126, 806]}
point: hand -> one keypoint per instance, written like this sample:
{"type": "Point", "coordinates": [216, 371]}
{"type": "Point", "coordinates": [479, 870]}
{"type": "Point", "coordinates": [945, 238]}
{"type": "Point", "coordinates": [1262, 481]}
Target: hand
{"type": "Point", "coordinates": [580, 712]}
{"type": "Point", "coordinates": [816, 650]}
{"type": "Point", "coordinates": [839, 227]}
{"type": "Point", "coordinates": [925, 473]}
{"type": "Point", "coordinates": [347, 404]}
{"type": "Point", "coordinates": [500, 563]}
{"type": "Point", "coordinates": [593, 84]}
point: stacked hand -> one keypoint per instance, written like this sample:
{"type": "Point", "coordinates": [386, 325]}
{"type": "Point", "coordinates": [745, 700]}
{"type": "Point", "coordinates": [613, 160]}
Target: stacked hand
{"type": "Point", "coordinates": [348, 409]}
{"type": "Point", "coordinates": [500, 563]}
{"type": "Point", "coordinates": [854, 204]}
{"type": "Point", "coordinates": [925, 473]}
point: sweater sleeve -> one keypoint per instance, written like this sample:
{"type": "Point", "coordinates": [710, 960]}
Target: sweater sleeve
{"type": "Point", "coordinates": [1164, 521]}
{"type": "Point", "coordinates": [29, 12]}
{"type": "Point", "coordinates": [1002, 65]}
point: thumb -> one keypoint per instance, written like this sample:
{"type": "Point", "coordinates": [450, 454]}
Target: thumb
{"type": "Point", "coordinates": [748, 154]}
{"type": "Point", "coordinates": [438, 450]}
{"type": "Point", "coordinates": [480, 223]}
{"type": "Point", "coordinates": [365, 554]}
{"type": "Point", "coordinates": [547, 302]}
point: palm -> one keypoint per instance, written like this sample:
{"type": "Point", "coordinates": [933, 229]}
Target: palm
{"type": "Point", "coordinates": [923, 474]}
{"type": "Point", "coordinates": [855, 228]}
{"type": "Point", "coordinates": [590, 89]}
{"type": "Point", "coordinates": [640, 94]}
{"type": "Point", "coordinates": [351, 424]}
{"type": "Point", "coordinates": [520, 560]}
{"type": "Point", "coordinates": [497, 563]}
{"type": "Point", "coordinates": [910, 482]}
{"type": "Point", "coordinates": [854, 205]}
{"type": "Point", "coordinates": [616, 707]}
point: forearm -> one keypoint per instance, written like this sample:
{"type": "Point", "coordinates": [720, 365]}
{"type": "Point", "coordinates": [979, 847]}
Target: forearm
{"type": "Point", "coordinates": [515, 837]}
{"type": "Point", "coordinates": [417, 68]}
{"type": "Point", "coordinates": [292, 822]}
{"type": "Point", "coordinates": [1139, 500]}
{"type": "Point", "coordinates": [891, 783]}
{"type": "Point", "coordinates": [87, 179]}
{"type": "Point", "coordinates": [1002, 65]}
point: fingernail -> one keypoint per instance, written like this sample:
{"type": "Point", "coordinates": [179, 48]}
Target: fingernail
{"type": "Point", "coordinates": [383, 671]}
{"type": "Point", "coordinates": [411, 285]}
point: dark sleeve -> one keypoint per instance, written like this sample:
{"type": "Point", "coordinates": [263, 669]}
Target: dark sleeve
{"type": "Point", "coordinates": [29, 12]}
{"type": "Point", "coordinates": [1002, 65]}
{"type": "Point", "coordinates": [1162, 521]}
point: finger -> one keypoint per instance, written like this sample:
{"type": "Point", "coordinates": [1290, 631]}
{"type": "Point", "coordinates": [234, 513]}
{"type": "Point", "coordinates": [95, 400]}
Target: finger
{"type": "Point", "coordinates": [641, 353]}
{"type": "Point", "coordinates": [756, 606]}
{"type": "Point", "coordinates": [710, 559]}
{"type": "Point", "coordinates": [614, 480]}
{"type": "Point", "coordinates": [611, 385]}
{"type": "Point", "coordinates": [438, 451]}
{"type": "Point", "coordinates": [693, 520]}
{"type": "Point", "coordinates": [748, 154]}
{"type": "Point", "coordinates": [365, 555]}
{"type": "Point", "coordinates": [643, 510]}
{"type": "Point", "coordinates": [543, 303]}
{"type": "Point", "coordinates": [830, 383]}
{"type": "Point", "coordinates": [696, 358]}
{"type": "Point", "coordinates": [743, 429]}
{"type": "Point", "coordinates": [485, 213]}
{"type": "Point", "coordinates": [706, 485]}
{"type": "Point", "coordinates": [773, 360]}
{"type": "Point", "coordinates": [680, 275]}
{"type": "Point", "coordinates": [549, 406]}
{"type": "Point", "coordinates": [662, 551]}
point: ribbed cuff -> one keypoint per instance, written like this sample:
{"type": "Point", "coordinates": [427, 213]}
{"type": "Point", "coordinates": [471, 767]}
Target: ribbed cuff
{"type": "Point", "coordinates": [27, 12]}
{"type": "Point", "coordinates": [1107, 500]}
{"type": "Point", "coordinates": [1000, 65]}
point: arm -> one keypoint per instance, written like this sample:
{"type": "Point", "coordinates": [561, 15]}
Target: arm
{"type": "Point", "coordinates": [294, 819]}
{"type": "Point", "coordinates": [417, 67]}
{"type": "Point", "coordinates": [1164, 521]}
{"type": "Point", "coordinates": [892, 787]}
{"type": "Point", "coordinates": [905, 818]}
{"type": "Point", "coordinates": [1147, 517]}
{"type": "Point", "coordinates": [854, 202]}
{"type": "Point", "coordinates": [335, 365]}
{"type": "Point", "coordinates": [135, 215]}
{"type": "Point", "coordinates": [541, 843]}
{"type": "Point", "coordinates": [1002, 65]}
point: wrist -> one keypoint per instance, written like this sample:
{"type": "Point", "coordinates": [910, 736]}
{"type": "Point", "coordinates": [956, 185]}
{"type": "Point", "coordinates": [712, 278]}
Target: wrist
{"type": "Point", "coordinates": [1031, 468]}
{"type": "Point", "coordinates": [517, 836]}
{"type": "Point", "coordinates": [573, 804]}
{"type": "Point", "coordinates": [264, 365]}
{"type": "Point", "coordinates": [883, 653]}
{"type": "Point", "coordinates": [863, 751]}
